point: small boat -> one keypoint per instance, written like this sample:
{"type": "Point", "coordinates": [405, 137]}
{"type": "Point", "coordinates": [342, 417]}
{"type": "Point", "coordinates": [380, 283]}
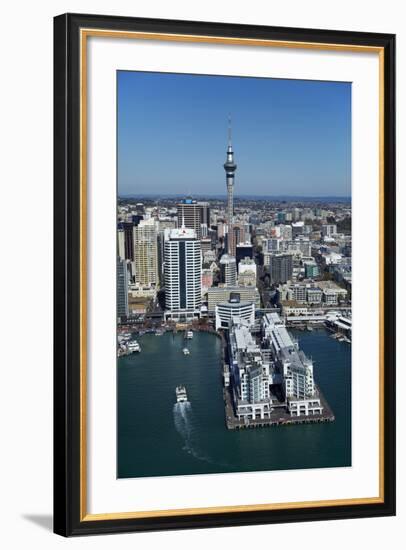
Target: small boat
{"type": "Point", "coordinates": [185, 351]}
{"type": "Point", "coordinates": [309, 328]}
{"type": "Point", "coordinates": [134, 347]}
{"type": "Point", "coordinates": [181, 395]}
{"type": "Point", "coordinates": [189, 334]}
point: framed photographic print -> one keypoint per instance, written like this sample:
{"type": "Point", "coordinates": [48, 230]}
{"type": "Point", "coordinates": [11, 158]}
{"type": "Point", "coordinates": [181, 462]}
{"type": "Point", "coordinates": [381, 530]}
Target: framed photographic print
{"type": "Point", "coordinates": [224, 274]}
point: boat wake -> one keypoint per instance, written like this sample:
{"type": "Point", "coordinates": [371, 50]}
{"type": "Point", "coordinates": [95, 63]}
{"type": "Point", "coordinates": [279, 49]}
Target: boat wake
{"type": "Point", "coordinates": [186, 427]}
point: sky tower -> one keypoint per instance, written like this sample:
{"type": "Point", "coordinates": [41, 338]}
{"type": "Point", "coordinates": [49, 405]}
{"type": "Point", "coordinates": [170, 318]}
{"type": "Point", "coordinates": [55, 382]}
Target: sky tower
{"type": "Point", "coordinates": [230, 167]}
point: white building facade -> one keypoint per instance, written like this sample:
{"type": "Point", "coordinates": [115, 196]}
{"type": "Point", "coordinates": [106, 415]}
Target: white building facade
{"type": "Point", "coordinates": [301, 395]}
{"type": "Point", "coordinates": [228, 267]}
{"type": "Point", "coordinates": [236, 311]}
{"type": "Point", "coordinates": [182, 274]}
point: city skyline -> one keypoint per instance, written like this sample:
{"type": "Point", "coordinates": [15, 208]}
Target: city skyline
{"type": "Point", "coordinates": [172, 130]}
{"type": "Point", "coordinates": [243, 277]}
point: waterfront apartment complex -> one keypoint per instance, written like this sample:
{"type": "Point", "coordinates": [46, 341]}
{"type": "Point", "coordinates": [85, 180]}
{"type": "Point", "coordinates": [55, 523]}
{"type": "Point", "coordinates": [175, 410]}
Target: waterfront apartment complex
{"type": "Point", "coordinates": [270, 379]}
{"type": "Point", "coordinates": [295, 368]}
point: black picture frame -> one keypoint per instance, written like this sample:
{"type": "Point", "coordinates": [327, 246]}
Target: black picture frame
{"type": "Point", "coordinates": [67, 346]}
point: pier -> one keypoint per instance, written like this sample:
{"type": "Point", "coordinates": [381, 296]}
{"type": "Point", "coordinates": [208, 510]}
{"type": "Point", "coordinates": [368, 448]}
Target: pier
{"type": "Point", "coordinates": [278, 417]}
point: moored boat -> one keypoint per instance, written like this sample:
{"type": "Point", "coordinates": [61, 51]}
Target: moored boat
{"type": "Point", "coordinates": [133, 346]}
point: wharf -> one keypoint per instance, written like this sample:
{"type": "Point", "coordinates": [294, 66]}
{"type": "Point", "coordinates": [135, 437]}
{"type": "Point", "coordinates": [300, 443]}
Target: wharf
{"type": "Point", "coordinates": [279, 416]}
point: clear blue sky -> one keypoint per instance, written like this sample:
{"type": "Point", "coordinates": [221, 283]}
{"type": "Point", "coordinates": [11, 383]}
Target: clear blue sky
{"type": "Point", "coordinates": [290, 137]}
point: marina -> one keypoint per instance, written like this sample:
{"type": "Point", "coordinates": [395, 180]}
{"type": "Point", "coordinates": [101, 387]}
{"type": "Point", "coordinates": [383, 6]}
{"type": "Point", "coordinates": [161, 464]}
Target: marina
{"type": "Point", "coordinates": [193, 435]}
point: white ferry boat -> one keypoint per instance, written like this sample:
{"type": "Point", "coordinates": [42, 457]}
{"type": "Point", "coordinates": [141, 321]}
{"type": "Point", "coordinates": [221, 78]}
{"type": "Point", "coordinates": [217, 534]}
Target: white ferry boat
{"type": "Point", "coordinates": [185, 351]}
{"type": "Point", "coordinates": [133, 347]}
{"type": "Point", "coordinates": [181, 395]}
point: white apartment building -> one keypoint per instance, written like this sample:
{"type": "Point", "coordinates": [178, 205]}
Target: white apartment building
{"type": "Point", "coordinates": [297, 369]}
{"type": "Point", "coordinates": [252, 396]}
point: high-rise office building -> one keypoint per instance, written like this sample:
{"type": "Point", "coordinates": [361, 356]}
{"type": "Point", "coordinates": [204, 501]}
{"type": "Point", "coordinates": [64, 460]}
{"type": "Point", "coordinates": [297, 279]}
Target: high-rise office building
{"type": "Point", "coordinates": [228, 268]}
{"type": "Point", "coordinates": [136, 218]}
{"type": "Point", "coordinates": [140, 208]}
{"type": "Point", "coordinates": [243, 250]}
{"type": "Point", "coordinates": [189, 215]}
{"type": "Point", "coordinates": [194, 215]}
{"type": "Point", "coordinates": [206, 245]}
{"type": "Point", "coordinates": [280, 268]}
{"type": "Point", "coordinates": [183, 268]}
{"type": "Point", "coordinates": [146, 253]}
{"type": "Point", "coordinates": [121, 243]}
{"type": "Point", "coordinates": [204, 219]}
{"type": "Point", "coordinates": [297, 229]}
{"type": "Point", "coordinates": [241, 234]}
{"type": "Point", "coordinates": [122, 289]}
{"type": "Point", "coordinates": [128, 240]}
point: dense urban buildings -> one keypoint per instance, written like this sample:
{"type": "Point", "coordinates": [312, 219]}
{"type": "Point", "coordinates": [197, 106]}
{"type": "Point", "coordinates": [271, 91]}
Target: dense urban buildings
{"type": "Point", "coordinates": [274, 376]}
{"type": "Point", "coordinates": [248, 269]}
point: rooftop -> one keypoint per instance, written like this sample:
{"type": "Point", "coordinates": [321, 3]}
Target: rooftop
{"type": "Point", "coordinates": [183, 233]}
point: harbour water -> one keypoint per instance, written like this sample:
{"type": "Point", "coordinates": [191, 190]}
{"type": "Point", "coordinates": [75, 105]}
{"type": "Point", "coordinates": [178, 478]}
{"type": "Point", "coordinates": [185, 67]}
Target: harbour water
{"type": "Point", "coordinates": [159, 437]}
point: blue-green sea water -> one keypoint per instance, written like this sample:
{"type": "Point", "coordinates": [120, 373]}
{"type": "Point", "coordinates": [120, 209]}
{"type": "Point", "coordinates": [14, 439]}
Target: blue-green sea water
{"type": "Point", "coordinates": [157, 437]}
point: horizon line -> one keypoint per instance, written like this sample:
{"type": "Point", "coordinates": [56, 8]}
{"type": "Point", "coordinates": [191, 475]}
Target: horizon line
{"type": "Point", "coordinates": [175, 195]}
